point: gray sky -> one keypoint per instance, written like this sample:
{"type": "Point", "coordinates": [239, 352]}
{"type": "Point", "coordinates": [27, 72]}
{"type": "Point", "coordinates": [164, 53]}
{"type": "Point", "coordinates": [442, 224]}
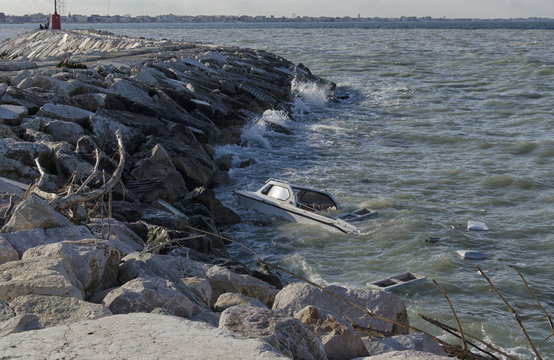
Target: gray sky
{"type": "Point", "coordinates": [366, 8]}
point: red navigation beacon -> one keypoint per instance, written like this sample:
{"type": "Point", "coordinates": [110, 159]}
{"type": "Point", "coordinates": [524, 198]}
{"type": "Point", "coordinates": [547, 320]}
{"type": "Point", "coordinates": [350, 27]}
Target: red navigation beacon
{"type": "Point", "coordinates": [56, 23]}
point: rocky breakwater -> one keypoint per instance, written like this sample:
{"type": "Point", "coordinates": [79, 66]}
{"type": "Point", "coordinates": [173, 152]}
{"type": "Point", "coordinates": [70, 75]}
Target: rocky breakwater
{"type": "Point", "coordinates": [99, 257]}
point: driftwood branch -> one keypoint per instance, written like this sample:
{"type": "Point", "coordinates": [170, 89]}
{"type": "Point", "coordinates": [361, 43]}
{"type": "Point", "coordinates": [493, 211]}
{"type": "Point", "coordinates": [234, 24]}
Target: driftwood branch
{"type": "Point", "coordinates": [454, 313]}
{"type": "Point", "coordinates": [513, 311]}
{"type": "Point", "coordinates": [80, 196]}
{"type": "Point", "coordinates": [452, 331]}
{"type": "Point", "coordinates": [548, 318]}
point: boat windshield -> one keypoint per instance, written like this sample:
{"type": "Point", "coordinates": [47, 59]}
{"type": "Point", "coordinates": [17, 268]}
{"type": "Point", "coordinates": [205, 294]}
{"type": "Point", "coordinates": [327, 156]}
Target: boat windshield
{"type": "Point", "coordinates": [277, 192]}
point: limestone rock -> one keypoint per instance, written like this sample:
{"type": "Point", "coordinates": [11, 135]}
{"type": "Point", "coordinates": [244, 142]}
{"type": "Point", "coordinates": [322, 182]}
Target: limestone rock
{"type": "Point", "coordinates": [26, 239]}
{"type": "Point", "coordinates": [338, 337]}
{"type": "Point", "coordinates": [146, 294]}
{"type": "Point", "coordinates": [39, 277]}
{"type": "Point", "coordinates": [416, 341]}
{"type": "Point", "coordinates": [227, 300]}
{"type": "Point", "coordinates": [223, 280]}
{"type": "Point", "coordinates": [200, 286]}
{"type": "Point", "coordinates": [12, 114]}
{"type": "Point", "coordinates": [55, 310]}
{"type": "Point", "coordinates": [296, 296]}
{"type": "Point", "coordinates": [64, 131]}
{"type": "Point", "coordinates": [286, 334]}
{"type": "Point", "coordinates": [32, 213]}
{"type": "Point", "coordinates": [160, 336]}
{"type": "Point", "coordinates": [7, 252]}
{"type": "Point", "coordinates": [19, 324]}
{"type": "Point", "coordinates": [94, 262]}
{"type": "Point", "coordinates": [125, 240]}
{"type": "Point", "coordinates": [407, 355]}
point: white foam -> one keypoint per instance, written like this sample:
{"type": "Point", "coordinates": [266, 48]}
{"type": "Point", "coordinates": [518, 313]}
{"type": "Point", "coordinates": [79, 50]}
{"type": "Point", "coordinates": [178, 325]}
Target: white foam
{"type": "Point", "coordinates": [312, 94]}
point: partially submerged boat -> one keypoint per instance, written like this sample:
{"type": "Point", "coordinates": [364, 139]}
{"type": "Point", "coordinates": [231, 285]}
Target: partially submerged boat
{"type": "Point", "coordinates": [397, 280]}
{"type": "Point", "coordinates": [300, 204]}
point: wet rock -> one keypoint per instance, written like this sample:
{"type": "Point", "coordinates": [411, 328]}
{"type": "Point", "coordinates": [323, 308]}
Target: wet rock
{"type": "Point", "coordinates": [296, 296]}
{"type": "Point", "coordinates": [288, 335]}
{"type": "Point", "coordinates": [56, 310]}
{"type": "Point", "coordinates": [221, 214]}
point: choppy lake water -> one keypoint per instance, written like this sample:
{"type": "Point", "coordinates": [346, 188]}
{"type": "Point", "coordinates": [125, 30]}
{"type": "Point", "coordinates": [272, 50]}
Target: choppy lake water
{"type": "Point", "coordinates": [438, 127]}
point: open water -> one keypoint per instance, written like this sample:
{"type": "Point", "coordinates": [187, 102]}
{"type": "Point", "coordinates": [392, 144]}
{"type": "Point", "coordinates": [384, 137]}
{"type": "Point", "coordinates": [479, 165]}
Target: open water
{"type": "Point", "coordinates": [435, 127]}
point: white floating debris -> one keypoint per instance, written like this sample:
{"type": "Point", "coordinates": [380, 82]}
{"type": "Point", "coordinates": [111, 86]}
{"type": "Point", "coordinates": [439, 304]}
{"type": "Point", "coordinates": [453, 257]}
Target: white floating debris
{"type": "Point", "coordinates": [477, 225]}
{"type": "Point", "coordinates": [471, 254]}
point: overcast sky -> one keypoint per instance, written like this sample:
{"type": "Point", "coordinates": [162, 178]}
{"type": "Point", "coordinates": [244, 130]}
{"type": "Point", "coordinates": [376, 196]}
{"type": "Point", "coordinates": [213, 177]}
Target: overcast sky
{"type": "Point", "coordinates": [366, 8]}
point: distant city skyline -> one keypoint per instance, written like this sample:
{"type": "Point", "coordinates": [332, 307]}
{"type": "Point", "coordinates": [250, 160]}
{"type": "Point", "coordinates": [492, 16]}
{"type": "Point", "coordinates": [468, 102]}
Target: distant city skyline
{"type": "Point", "coordinates": [289, 8]}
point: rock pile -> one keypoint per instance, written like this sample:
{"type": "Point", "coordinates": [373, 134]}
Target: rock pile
{"type": "Point", "coordinates": [129, 260]}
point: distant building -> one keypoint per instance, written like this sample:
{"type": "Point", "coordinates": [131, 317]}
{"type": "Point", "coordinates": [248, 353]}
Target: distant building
{"type": "Point", "coordinates": [2, 17]}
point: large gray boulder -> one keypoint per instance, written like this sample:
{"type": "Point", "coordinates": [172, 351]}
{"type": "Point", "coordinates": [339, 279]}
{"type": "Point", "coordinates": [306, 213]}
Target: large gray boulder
{"type": "Point", "coordinates": [56, 310]}
{"type": "Point", "coordinates": [119, 235]}
{"type": "Point", "coordinates": [296, 296]}
{"type": "Point", "coordinates": [65, 112]}
{"type": "Point", "coordinates": [339, 339]}
{"type": "Point", "coordinates": [12, 114]}
{"type": "Point", "coordinates": [94, 262]}
{"type": "Point", "coordinates": [111, 337]}
{"type": "Point", "coordinates": [38, 276]}
{"type": "Point", "coordinates": [416, 341]}
{"type": "Point", "coordinates": [24, 240]}
{"type": "Point", "coordinates": [223, 280]}
{"type": "Point", "coordinates": [33, 213]}
{"type": "Point", "coordinates": [147, 294]}
{"type": "Point", "coordinates": [286, 334]}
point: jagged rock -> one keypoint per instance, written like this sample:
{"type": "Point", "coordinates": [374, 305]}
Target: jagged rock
{"type": "Point", "coordinates": [146, 294]}
{"type": "Point", "coordinates": [417, 342]}
{"type": "Point", "coordinates": [298, 295]}
{"type": "Point", "coordinates": [104, 129]}
{"type": "Point", "coordinates": [21, 241]}
{"type": "Point", "coordinates": [160, 336]}
{"type": "Point", "coordinates": [407, 355]}
{"type": "Point", "coordinates": [221, 214]}
{"type": "Point", "coordinates": [91, 102]}
{"type": "Point", "coordinates": [6, 311]}
{"type": "Point", "coordinates": [42, 276]}
{"type": "Point", "coordinates": [169, 267]}
{"type": "Point", "coordinates": [117, 234]}
{"type": "Point", "coordinates": [59, 87]}
{"type": "Point", "coordinates": [339, 339]}
{"type": "Point", "coordinates": [12, 114]}
{"type": "Point", "coordinates": [65, 113]}
{"type": "Point", "coordinates": [56, 310]}
{"type": "Point", "coordinates": [17, 159]}
{"type": "Point", "coordinates": [286, 334]}
{"type": "Point", "coordinates": [64, 131]}
{"type": "Point", "coordinates": [200, 286]}
{"type": "Point", "coordinates": [197, 169]}
{"type": "Point", "coordinates": [20, 323]}
{"type": "Point", "coordinates": [33, 213]}
{"type": "Point", "coordinates": [227, 300]}
{"type": "Point", "coordinates": [94, 262]}
{"type": "Point", "coordinates": [159, 166]}
{"type": "Point", "coordinates": [3, 88]}
{"type": "Point", "coordinates": [222, 281]}
{"type": "Point", "coordinates": [7, 252]}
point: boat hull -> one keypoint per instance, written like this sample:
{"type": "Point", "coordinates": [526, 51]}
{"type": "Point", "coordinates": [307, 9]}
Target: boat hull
{"type": "Point", "coordinates": [291, 213]}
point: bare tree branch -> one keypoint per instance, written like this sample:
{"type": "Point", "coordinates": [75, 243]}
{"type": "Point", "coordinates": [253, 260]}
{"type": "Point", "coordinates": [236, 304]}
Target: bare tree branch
{"type": "Point", "coordinates": [454, 313]}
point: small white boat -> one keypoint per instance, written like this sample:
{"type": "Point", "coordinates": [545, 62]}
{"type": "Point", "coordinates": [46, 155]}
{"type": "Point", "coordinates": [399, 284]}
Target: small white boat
{"type": "Point", "coordinates": [300, 204]}
{"type": "Point", "coordinates": [397, 280]}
